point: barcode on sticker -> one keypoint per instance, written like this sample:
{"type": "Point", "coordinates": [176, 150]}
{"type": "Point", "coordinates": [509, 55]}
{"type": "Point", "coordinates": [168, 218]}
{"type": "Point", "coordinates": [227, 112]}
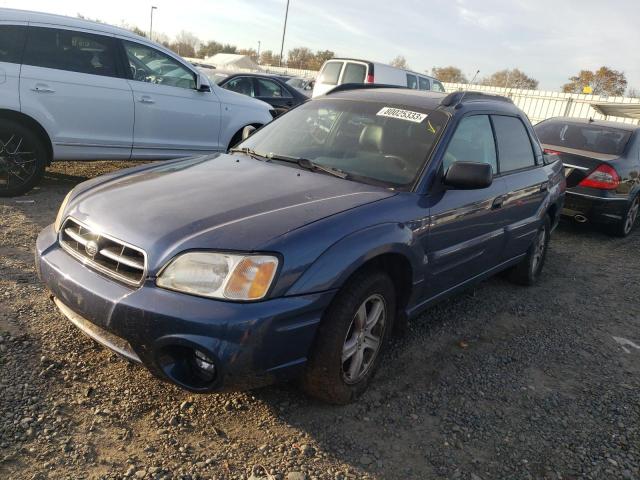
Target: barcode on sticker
{"type": "Point", "coordinates": [398, 113]}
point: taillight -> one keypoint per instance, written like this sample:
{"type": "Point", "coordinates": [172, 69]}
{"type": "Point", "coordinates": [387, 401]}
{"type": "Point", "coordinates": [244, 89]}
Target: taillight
{"type": "Point", "coordinates": [604, 177]}
{"type": "Point", "coordinates": [548, 151]}
{"type": "Point", "coordinates": [370, 78]}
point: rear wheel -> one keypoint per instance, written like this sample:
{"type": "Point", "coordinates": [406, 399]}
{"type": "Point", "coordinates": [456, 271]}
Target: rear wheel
{"type": "Point", "coordinates": [625, 226]}
{"type": "Point", "coordinates": [23, 158]}
{"type": "Point", "coordinates": [528, 270]}
{"type": "Point", "coordinates": [353, 332]}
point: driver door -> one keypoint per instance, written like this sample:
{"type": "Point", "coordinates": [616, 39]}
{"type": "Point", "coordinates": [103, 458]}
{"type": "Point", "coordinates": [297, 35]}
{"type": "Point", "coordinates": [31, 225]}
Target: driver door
{"type": "Point", "coordinates": [172, 118]}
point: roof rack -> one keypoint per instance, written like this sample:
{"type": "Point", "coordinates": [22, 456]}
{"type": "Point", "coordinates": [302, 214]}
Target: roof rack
{"type": "Point", "coordinates": [360, 86]}
{"type": "Point", "coordinates": [455, 98]}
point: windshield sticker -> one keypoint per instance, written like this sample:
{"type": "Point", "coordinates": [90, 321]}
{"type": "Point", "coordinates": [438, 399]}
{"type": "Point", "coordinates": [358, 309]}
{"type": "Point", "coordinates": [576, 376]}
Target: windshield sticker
{"type": "Point", "coordinates": [398, 113]}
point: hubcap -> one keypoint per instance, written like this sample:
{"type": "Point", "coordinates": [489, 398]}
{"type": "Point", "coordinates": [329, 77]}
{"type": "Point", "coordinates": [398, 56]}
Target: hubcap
{"type": "Point", "coordinates": [632, 215]}
{"type": "Point", "coordinates": [364, 338]}
{"type": "Point", "coordinates": [17, 162]}
{"type": "Point", "coordinates": [538, 249]}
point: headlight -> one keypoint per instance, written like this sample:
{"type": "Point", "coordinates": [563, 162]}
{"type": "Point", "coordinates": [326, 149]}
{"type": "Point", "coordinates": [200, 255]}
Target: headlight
{"type": "Point", "coordinates": [58, 223]}
{"type": "Point", "coordinates": [220, 275]}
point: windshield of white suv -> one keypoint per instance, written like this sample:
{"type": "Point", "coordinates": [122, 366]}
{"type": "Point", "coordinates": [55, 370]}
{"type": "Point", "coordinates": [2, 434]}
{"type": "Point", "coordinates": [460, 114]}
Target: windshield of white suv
{"type": "Point", "coordinates": [374, 142]}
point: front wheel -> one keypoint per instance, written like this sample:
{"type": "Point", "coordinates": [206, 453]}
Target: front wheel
{"type": "Point", "coordinates": [528, 270]}
{"type": "Point", "coordinates": [625, 226]}
{"type": "Point", "coordinates": [23, 158]}
{"type": "Point", "coordinates": [353, 332]}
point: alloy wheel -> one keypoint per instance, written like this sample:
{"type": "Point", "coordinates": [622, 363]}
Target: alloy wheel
{"type": "Point", "coordinates": [538, 249]}
{"type": "Point", "coordinates": [364, 339]}
{"type": "Point", "coordinates": [632, 215]}
{"type": "Point", "coordinates": [17, 160]}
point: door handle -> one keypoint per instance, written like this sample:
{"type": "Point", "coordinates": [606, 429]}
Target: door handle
{"type": "Point", "coordinates": [146, 99]}
{"type": "Point", "coordinates": [497, 203]}
{"type": "Point", "coordinates": [39, 88]}
{"type": "Point", "coordinates": [544, 186]}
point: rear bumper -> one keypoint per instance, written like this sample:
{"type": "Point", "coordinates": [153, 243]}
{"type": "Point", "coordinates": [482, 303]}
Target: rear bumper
{"type": "Point", "coordinates": [594, 208]}
{"type": "Point", "coordinates": [252, 344]}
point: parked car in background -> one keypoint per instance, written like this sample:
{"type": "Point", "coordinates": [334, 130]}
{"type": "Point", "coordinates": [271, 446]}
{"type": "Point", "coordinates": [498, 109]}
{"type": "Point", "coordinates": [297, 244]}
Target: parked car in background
{"type": "Point", "coordinates": [294, 254]}
{"type": "Point", "coordinates": [347, 70]}
{"type": "Point", "coordinates": [303, 85]}
{"type": "Point", "coordinates": [80, 90]}
{"type": "Point", "coordinates": [265, 87]}
{"type": "Point", "coordinates": [602, 165]}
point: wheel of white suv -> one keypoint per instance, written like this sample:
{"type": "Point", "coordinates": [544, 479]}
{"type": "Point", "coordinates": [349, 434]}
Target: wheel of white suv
{"type": "Point", "coordinates": [23, 159]}
{"type": "Point", "coordinates": [353, 332]}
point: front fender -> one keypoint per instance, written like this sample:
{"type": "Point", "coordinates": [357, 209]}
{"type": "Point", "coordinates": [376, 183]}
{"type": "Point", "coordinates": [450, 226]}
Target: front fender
{"type": "Point", "coordinates": [336, 264]}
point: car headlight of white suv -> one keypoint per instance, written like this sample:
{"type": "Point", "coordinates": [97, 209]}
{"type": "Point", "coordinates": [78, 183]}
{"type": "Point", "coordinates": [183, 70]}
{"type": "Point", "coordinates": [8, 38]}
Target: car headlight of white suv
{"type": "Point", "coordinates": [220, 275]}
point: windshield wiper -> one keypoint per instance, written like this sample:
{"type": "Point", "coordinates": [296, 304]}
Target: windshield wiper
{"type": "Point", "coordinates": [309, 165]}
{"type": "Point", "coordinates": [250, 152]}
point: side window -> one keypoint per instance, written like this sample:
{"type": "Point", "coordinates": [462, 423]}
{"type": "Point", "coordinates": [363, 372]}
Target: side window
{"type": "Point", "coordinates": [12, 39]}
{"type": "Point", "coordinates": [423, 83]}
{"type": "Point", "coordinates": [514, 144]}
{"type": "Point", "coordinates": [152, 66]}
{"type": "Point", "coordinates": [354, 73]}
{"type": "Point", "coordinates": [437, 86]}
{"type": "Point", "coordinates": [472, 142]}
{"type": "Point", "coordinates": [412, 81]}
{"type": "Point", "coordinates": [270, 89]}
{"type": "Point", "coordinates": [243, 85]}
{"type": "Point", "coordinates": [330, 73]}
{"type": "Point", "coordinates": [70, 50]}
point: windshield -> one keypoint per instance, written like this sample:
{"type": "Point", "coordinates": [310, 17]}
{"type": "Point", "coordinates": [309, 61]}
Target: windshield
{"type": "Point", "coordinates": [589, 137]}
{"type": "Point", "coordinates": [370, 141]}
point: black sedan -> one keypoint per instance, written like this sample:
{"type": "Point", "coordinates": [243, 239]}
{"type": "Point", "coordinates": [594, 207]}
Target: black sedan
{"type": "Point", "coordinates": [602, 166]}
{"type": "Point", "coordinates": [267, 88]}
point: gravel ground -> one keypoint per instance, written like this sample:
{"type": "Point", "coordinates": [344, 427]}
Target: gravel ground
{"type": "Point", "coordinates": [499, 382]}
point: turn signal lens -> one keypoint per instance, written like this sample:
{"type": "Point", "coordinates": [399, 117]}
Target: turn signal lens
{"type": "Point", "coordinates": [251, 278]}
{"type": "Point", "coordinates": [604, 177]}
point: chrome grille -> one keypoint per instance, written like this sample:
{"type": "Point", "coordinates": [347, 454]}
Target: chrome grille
{"type": "Point", "coordinates": [112, 257]}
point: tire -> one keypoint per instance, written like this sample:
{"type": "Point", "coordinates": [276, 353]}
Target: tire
{"type": "Point", "coordinates": [625, 226]}
{"type": "Point", "coordinates": [528, 270]}
{"type": "Point", "coordinates": [330, 378]}
{"type": "Point", "coordinates": [23, 158]}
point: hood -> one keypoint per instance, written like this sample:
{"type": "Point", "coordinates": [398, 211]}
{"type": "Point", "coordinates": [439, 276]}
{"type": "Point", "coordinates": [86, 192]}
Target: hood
{"type": "Point", "coordinates": [219, 201]}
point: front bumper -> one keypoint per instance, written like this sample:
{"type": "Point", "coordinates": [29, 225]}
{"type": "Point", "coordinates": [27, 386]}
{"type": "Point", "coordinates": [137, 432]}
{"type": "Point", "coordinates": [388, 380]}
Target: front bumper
{"type": "Point", "coordinates": [252, 344]}
{"type": "Point", "coordinates": [597, 209]}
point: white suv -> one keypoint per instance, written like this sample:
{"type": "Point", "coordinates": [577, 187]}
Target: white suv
{"type": "Point", "coordinates": [71, 89]}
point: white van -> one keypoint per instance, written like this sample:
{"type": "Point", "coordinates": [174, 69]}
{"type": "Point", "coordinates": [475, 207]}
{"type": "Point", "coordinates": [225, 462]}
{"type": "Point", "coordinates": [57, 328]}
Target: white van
{"type": "Point", "coordinates": [347, 70]}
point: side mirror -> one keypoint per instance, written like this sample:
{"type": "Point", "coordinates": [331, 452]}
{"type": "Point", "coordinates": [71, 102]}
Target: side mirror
{"type": "Point", "coordinates": [468, 175]}
{"type": "Point", "coordinates": [247, 131]}
{"type": "Point", "coordinates": [202, 85]}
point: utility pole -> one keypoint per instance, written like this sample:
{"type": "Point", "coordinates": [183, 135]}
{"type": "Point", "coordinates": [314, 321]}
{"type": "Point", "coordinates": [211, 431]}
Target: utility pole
{"type": "Point", "coordinates": [284, 31]}
{"type": "Point", "coordinates": [151, 24]}
{"type": "Point", "coordinates": [258, 51]}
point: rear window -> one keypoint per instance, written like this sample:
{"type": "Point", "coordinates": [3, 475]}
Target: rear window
{"type": "Point", "coordinates": [354, 73]}
{"type": "Point", "coordinates": [589, 137]}
{"type": "Point", "coordinates": [330, 73]}
{"type": "Point", "coordinates": [11, 43]}
{"type": "Point", "coordinates": [70, 50]}
{"type": "Point", "coordinates": [373, 142]}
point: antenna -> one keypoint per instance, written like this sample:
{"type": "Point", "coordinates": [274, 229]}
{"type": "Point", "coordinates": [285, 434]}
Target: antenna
{"type": "Point", "coordinates": [465, 92]}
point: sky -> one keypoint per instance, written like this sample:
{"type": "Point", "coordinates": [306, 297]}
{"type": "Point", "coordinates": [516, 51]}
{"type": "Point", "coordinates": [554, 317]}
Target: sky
{"type": "Point", "coordinates": [550, 40]}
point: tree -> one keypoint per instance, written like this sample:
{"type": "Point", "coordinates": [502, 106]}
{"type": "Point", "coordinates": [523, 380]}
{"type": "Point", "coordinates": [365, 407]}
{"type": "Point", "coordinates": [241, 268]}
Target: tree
{"type": "Point", "coordinates": [603, 81]}
{"type": "Point", "coordinates": [268, 58]}
{"type": "Point", "coordinates": [400, 62]}
{"type": "Point", "coordinates": [185, 44]}
{"type": "Point", "coordinates": [511, 79]}
{"type": "Point", "coordinates": [449, 74]}
{"type": "Point", "coordinates": [250, 52]}
{"type": "Point", "coordinates": [300, 57]}
{"type": "Point", "coordinates": [320, 57]}
{"type": "Point", "coordinates": [209, 49]}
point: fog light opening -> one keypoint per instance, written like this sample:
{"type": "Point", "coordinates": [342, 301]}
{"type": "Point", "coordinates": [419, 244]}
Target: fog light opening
{"type": "Point", "coordinates": [187, 366]}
